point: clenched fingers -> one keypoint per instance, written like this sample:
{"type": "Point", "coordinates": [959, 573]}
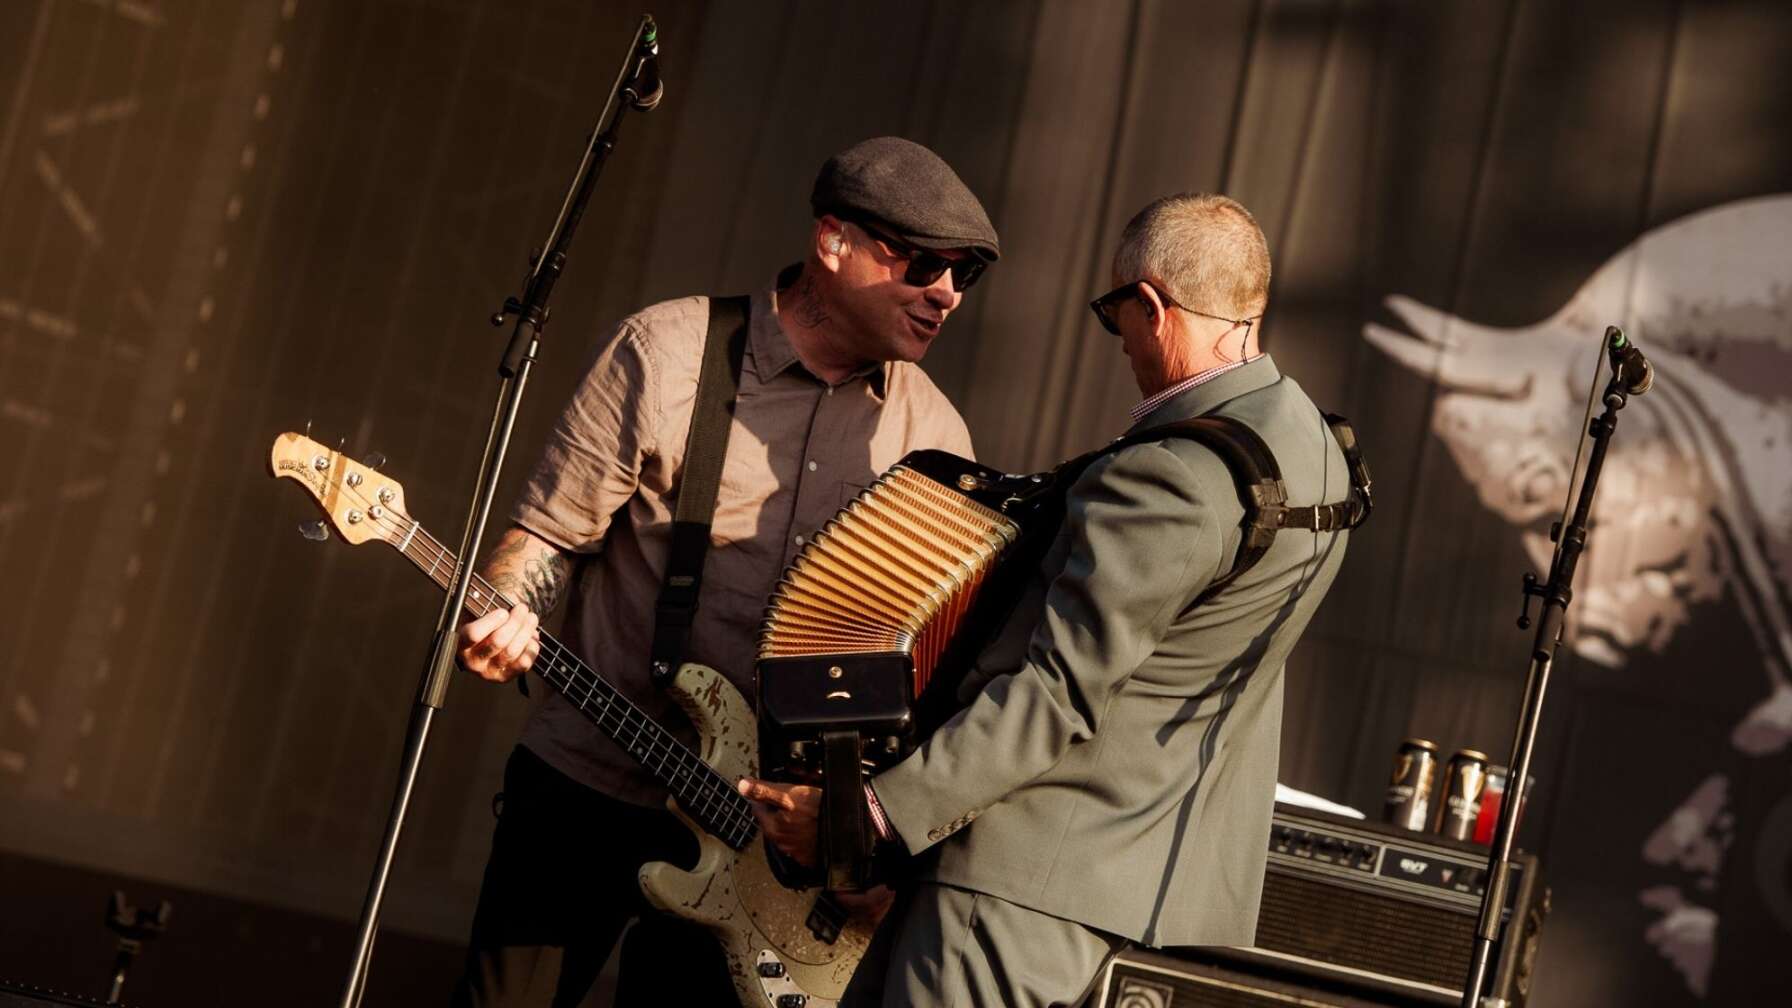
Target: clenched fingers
{"type": "Point", "coordinates": [772, 794]}
{"type": "Point", "coordinates": [500, 645]}
{"type": "Point", "coordinates": [787, 813]}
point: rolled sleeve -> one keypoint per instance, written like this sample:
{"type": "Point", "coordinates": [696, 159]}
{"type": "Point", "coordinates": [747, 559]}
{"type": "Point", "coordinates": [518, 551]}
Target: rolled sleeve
{"type": "Point", "coordinates": [591, 463]}
{"type": "Point", "coordinates": [1143, 543]}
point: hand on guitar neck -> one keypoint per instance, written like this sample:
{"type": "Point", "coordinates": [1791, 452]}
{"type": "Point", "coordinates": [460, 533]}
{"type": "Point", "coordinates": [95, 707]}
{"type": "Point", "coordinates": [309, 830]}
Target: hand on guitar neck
{"type": "Point", "coordinates": [500, 645]}
{"type": "Point", "coordinates": [503, 644]}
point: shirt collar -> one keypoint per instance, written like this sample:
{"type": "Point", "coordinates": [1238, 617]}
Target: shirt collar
{"type": "Point", "coordinates": [1145, 407]}
{"type": "Point", "coordinates": [1197, 398]}
{"type": "Point", "coordinates": [770, 346]}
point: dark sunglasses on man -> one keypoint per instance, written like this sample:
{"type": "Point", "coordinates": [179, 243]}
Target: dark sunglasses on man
{"type": "Point", "coordinates": [926, 267]}
{"type": "Point", "coordinates": [1104, 306]}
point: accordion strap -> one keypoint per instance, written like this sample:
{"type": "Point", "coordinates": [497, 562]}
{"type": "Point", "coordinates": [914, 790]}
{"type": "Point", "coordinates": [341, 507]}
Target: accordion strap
{"type": "Point", "coordinates": [705, 448]}
{"type": "Point", "coordinates": [1259, 482]}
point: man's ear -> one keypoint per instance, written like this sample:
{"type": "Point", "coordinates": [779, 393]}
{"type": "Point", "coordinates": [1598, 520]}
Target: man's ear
{"type": "Point", "coordinates": [1154, 310]}
{"type": "Point", "coordinates": [830, 242]}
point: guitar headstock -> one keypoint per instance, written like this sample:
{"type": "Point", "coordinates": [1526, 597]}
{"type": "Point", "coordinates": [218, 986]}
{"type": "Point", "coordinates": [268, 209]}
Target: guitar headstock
{"type": "Point", "coordinates": [361, 503]}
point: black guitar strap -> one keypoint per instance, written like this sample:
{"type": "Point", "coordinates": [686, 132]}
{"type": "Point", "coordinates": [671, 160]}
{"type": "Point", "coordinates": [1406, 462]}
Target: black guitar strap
{"type": "Point", "coordinates": [705, 448]}
{"type": "Point", "coordinates": [1259, 482]}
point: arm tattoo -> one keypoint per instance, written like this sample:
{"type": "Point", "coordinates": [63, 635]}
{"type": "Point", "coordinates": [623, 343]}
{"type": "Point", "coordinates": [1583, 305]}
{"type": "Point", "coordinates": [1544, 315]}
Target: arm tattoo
{"type": "Point", "coordinates": [528, 571]}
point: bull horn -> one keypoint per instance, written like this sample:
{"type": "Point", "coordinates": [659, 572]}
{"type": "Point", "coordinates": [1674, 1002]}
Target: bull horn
{"type": "Point", "coordinates": [1439, 339]}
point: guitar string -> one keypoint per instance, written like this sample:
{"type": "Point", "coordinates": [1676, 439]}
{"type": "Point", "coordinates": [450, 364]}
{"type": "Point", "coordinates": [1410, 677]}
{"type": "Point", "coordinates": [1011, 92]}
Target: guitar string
{"type": "Point", "coordinates": [735, 820]}
{"type": "Point", "coordinates": [711, 788]}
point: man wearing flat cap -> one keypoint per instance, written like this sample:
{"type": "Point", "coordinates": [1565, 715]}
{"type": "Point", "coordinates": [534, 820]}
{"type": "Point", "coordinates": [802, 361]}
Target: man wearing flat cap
{"type": "Point", "coordinates": [828, 397]}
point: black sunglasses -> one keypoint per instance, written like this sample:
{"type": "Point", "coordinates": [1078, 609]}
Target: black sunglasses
{"type": "Point", "coordinates": [925, 267]}
{"type": "Point", "coordinates": [1104, 306]}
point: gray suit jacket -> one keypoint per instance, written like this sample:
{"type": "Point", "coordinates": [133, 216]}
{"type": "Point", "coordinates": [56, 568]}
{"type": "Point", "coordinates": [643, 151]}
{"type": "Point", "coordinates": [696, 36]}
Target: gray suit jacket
{"type": "Point", "coordinates": [1118, 751]}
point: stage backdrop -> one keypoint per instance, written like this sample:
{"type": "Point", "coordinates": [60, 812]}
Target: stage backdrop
{"type": "Point", "coordinates": [220, 220]}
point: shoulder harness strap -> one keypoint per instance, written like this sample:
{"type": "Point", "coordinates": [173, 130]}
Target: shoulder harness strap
{"type": "Point", "coordinates": [706, 446]}
{"type": "Point", "coordinates": [1258, 480]}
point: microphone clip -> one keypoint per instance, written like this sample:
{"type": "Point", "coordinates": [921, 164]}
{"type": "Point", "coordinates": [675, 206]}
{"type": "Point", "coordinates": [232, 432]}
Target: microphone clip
{"type": "Point", "coordinates": [1632, 374]}
{"type": "Point", "coordinates": [644, 88]}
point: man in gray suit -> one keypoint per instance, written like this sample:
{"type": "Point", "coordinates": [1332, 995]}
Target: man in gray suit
{"type": "Point", "coordinates": [1119, 744]}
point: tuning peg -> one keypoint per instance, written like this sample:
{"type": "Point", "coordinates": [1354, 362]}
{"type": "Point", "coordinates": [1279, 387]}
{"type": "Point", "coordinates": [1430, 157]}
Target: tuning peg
{"type": "Point", "coordinates": [307, 428]}
{"type": "Point", "coordinates": [375, 460]}
{"type": "Point", "coordinates": [316, 531]}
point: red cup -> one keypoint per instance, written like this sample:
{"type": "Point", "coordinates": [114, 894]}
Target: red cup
{"type": "Point", "coordinates": [1492, 797]}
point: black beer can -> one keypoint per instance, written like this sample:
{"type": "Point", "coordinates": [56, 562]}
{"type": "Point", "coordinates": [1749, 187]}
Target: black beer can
{"type": "Point", "coordinates": [1460, 804]}
{"type": "Point", "coordinates": [1409, 791]}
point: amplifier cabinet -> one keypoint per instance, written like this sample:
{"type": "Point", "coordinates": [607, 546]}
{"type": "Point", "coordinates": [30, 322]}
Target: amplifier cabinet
{"type": "Point", "coordinates": [1382, 914]}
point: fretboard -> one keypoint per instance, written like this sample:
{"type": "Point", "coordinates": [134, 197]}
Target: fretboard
{"type": "Point", "coordinates": [705, 795]}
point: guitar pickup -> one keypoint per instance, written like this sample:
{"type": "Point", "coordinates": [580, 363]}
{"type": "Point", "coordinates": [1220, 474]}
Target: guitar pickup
{"type": "Point", "coordinates": [826, 918]}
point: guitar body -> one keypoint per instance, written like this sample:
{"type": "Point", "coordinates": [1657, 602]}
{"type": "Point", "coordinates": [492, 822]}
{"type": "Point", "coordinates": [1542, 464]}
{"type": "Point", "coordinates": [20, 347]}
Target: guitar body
{"type": "Point", "coordinates": [734, 893]}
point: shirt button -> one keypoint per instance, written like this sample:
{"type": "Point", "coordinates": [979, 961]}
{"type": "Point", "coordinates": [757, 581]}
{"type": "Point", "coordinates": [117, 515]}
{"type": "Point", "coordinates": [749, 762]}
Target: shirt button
{"type": "Point", "coordinates": [811, 465]}
{"type": "Point", "coordinates": [830, 390]}
{"type": "Point", "coordinates": [799, 540]}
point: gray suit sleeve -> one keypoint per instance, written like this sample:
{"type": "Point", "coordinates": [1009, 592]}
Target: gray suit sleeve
{"type": "Point", "coordinates": [1142, 544]}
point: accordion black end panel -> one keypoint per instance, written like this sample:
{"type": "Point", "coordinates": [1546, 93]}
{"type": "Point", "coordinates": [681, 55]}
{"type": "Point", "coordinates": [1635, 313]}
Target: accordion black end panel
{"type": "Point", "coordinates": [874, 623]}
{"type": "Point", "coordinates": [800, 698]}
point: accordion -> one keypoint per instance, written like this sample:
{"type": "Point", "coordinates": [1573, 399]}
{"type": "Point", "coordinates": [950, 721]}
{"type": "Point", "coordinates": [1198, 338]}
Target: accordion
{"type": "Point", "coordinates": [874, 623]}
{"type": "Point", "coordinates": [870, 631]}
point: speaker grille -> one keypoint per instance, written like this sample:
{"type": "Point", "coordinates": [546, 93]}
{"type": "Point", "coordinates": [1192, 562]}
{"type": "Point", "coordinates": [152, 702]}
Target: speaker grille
{"type": "Point", "coordinates": [1398, 937]}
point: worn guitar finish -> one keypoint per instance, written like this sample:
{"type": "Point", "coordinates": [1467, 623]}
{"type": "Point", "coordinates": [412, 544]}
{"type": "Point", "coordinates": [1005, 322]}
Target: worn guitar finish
{"type": "Point", "coordinates": [733, 891]}
{"type": "Point", "coordinates": [763, 926]}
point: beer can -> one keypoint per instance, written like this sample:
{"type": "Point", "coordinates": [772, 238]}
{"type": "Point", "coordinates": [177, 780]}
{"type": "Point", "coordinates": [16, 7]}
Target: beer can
{"type": "Point", "coordinates": [1409, 791]}
{"type": "Point", "coordinates": [1464, 781]}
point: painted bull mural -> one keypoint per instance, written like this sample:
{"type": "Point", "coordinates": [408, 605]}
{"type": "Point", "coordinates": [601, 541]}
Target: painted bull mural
{"type": "Point", "coordinates": [1696, 502]}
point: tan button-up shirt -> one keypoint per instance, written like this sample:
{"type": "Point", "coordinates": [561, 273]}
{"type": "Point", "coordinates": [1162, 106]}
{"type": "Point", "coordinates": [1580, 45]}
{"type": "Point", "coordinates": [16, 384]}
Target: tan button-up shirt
{"type": "Point", "coordinates": [606, 487]}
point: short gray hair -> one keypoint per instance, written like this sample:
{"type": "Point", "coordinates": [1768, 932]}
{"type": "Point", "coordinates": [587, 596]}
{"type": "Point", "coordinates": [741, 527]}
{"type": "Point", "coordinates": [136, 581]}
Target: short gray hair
{"type": "Point", "coordinates": [1205, 250]}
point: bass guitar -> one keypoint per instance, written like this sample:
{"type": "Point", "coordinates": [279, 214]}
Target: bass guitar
{"type": "Point", "coordinates": [786, 948]}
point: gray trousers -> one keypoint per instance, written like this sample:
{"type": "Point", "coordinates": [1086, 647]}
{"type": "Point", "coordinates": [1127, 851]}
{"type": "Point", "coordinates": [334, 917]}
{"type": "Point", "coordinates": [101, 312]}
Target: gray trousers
{"type": "Point", "coordinates": [943, 946]}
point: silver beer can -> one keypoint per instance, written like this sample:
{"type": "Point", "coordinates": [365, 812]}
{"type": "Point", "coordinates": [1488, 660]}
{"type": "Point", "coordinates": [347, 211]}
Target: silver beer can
{"type": "Point", "coordinates": [1409, 789]}
{"type": "Point", "coordinates": [1464, 781]}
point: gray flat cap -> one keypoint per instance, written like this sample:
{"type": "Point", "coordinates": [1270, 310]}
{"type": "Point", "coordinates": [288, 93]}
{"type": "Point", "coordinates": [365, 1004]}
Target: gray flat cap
{"type": "Point", "coordinates": [909, 190]}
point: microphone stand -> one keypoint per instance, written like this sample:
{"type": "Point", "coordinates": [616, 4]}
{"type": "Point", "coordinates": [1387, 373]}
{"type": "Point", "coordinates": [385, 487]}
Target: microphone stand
{"type": "Point", "coordinates": [633, 88]}
{"type": "Point", "coordinates": [1555, 595]}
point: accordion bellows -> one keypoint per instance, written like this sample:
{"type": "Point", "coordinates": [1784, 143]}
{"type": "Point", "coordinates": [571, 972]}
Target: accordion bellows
{"type": "Point", "coordinates": [894, 571]}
